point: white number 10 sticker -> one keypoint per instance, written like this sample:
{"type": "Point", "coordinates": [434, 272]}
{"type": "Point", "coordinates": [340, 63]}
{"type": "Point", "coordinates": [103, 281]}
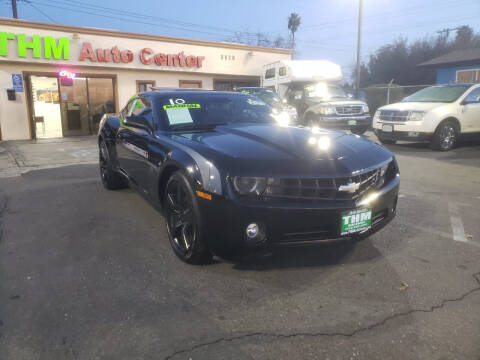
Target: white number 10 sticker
{"type": "Point", "coordinates": [177, 101]}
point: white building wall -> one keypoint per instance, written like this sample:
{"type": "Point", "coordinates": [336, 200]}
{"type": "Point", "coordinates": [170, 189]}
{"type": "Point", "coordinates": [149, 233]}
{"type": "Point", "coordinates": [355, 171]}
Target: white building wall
{"type": "Point", "coordinates": [221, 61]}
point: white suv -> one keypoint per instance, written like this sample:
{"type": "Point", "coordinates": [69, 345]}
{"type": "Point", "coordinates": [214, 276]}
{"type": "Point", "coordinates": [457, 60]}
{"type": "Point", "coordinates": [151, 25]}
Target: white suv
{"type": "Point", "coordinates": [438, 114]}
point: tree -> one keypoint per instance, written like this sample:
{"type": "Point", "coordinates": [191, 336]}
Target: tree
{"type": "Point", "coordinates": [294, 21]}
{"type": "Point", "coordinates": [399, 60]}
{"type": "Point", "coordinates": [279, 42]}
{"type": "Point", "coordinates": [259, 39]}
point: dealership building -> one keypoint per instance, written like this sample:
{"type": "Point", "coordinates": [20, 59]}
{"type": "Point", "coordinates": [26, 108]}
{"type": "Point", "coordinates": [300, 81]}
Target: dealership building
{"type": "Point", "coordinates": [59, 80]}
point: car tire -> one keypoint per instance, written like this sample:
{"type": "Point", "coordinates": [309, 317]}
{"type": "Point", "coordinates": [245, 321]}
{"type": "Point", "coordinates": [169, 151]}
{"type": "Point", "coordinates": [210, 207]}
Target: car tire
{"type": "Point", "coordinates": [445, 137]}
{"type": "Point", "coordinates": [358, 130]}
{"type": "Point", "coordinates": [387, 141]}
{"type": "Point", "coordinates": [183, 221]}
{"type": "Point", "coordinates": [111, 179]}
{"type": "Point", "coordinates": [311, 120]}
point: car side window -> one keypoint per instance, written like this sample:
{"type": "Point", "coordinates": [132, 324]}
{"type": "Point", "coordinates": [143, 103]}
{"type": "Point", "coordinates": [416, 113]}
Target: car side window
{"type": "Point", "coordinates": [141, 108]}
{"type": "Point", "coordinates": [474, 96]}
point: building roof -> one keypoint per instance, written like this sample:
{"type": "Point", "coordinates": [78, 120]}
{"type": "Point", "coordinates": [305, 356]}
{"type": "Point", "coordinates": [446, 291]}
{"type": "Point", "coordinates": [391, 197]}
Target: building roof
{"type": "Point", "coordinates": [455, 57]}
{"type": "Point", "coordinates": [140, 36]}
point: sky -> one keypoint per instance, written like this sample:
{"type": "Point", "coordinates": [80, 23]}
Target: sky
{"type": "Point", "coordinates": [328, 29]}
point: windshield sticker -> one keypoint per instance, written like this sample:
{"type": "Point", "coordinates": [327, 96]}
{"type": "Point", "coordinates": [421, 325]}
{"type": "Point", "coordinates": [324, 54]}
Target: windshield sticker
{"type": "Point", "coordinates": [181, 106]}
{"type": "Point", "coordinates": [255, 102]}
{"type": "Point", "coordinates": [178, 115]}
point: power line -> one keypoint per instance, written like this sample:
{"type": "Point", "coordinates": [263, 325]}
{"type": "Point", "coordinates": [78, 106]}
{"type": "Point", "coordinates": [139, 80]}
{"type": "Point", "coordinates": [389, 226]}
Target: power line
{"type": "Point", "coordinates": [384, 14]}
{"type": "Point", "coordinates": [40, 11]}
{"type": "Point", "coordinates": [72, 4]}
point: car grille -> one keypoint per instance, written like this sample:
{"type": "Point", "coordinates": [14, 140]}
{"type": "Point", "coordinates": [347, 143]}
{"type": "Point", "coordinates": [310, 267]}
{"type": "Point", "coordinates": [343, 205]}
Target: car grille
{"type": "Point", "coordinates": [349, 109]}
{"type": "Point", "coordinates": [394, 115]}
{"type": "Point", "coordinates": [324, 188]}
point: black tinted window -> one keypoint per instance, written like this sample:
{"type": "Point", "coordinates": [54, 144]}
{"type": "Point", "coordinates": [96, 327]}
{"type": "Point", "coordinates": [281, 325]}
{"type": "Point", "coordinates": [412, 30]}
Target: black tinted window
{"type": "Point", "coordinates": [270, 73]}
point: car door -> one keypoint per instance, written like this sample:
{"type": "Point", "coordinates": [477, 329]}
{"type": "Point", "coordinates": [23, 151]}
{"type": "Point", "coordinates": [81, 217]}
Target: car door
{"type": "Point", "coordinates": [133, 139]}
{"type": "Point", "coordinates": [471, 111]}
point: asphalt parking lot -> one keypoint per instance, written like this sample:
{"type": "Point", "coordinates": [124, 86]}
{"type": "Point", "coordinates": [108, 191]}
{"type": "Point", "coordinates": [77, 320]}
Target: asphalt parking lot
{"type": "Point", "coordinates": [87, 273]}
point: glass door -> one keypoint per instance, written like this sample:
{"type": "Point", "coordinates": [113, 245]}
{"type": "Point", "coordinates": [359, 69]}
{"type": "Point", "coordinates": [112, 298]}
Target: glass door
{"type": "Point", "coordinates": [84, 101]}
{"type": "Point", "coordinates": [45, 107]}
{"type": "Point", "coordinates": [74, 104]}
{"type": "Point", "coordinates": [100, 99]}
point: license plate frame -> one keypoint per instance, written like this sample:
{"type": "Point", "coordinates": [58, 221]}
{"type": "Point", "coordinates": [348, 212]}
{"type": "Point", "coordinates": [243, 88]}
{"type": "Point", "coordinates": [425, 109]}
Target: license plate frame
{"type": "Point", "coordinates": [387, 128]}
{"type": "Point", "coordinates": [355, 221]}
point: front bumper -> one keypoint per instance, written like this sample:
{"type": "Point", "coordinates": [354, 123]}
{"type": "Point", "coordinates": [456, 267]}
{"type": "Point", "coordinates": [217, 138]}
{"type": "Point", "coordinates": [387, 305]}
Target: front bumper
{"type": "Point", "coordinates": [288, 222]}
{"type": "Point", "coordinates": [403, 135]}
{"type": "Point", "coordinates": [345, 122]}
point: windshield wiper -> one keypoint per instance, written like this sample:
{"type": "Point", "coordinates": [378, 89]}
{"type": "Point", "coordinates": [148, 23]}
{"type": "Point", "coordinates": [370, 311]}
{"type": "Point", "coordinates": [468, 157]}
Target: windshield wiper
{"type": "Point", "coordinates": [196, 126]}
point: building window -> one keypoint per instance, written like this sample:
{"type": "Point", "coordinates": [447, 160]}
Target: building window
{"type": "Point", "coordinates": [282, 71]}
{"type": "Point", "coordinates": [190, 84]}
{"type": "Point", "coordinates": [229, 85]}
{"type": "Point", "coordinates": [145, 85]}
{"type": "Point", "coordinates": [270, 73]}
{"type": "Point", "coordinates": [467, 76]}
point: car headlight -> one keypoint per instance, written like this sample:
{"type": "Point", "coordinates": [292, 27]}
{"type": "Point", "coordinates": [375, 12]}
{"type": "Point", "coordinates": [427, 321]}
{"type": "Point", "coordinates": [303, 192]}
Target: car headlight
{"type": "Point", "coordinates": [326, 110]}
{"type": "Point", "coordinates": [282, 118]}
{"type": "Point", "coordinates": [416, 115]}
{"type": "Point", "coordinates": [365, 108]}
{"type": "Point", "coordinates": [382, 175]}
{"type": "Point", "coordinates": [249, 185]}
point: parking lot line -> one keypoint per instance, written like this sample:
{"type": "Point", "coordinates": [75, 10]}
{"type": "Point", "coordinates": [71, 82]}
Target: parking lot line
{"type": "Point", "coordinates": [457, 224]}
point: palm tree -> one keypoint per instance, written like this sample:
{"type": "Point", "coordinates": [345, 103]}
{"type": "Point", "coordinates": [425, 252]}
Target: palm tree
{"type": "Point", "coordinates": [294, 21]}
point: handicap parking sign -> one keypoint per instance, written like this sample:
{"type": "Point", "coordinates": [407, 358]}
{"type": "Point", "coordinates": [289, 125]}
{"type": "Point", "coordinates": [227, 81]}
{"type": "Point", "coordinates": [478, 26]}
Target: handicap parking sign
{"type": "Point", "coordinates": [17, 82]}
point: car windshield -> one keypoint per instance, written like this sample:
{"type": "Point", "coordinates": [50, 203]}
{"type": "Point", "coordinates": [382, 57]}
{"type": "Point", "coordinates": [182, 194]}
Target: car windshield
{"type": "Point", "coordinates": [198, 111]}
{"type": "Point", "coordinates": [270, 97]}
{"type": "Point", "coordinates": [324, 91]}
{"type": "Point", "coordinates": [437, 94]}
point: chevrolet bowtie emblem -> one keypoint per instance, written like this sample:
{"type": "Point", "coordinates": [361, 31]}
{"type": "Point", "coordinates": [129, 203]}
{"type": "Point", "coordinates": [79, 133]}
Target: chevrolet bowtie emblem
{"type": "Point", "coordinates": [351, 187]}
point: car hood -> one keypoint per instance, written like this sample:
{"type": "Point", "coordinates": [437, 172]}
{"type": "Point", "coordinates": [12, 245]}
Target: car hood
{"type": "Point", "coordinates": [268, 150]}
{"type": "Point", "coordinates": [417, 106]}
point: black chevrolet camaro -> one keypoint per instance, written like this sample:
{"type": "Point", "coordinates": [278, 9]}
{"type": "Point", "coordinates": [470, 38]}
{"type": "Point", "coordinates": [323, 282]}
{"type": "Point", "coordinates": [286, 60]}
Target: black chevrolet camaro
{"type": "Point", "coordinates": [227, 175]}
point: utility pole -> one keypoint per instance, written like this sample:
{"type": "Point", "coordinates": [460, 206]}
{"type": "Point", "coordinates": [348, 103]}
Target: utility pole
{"type": "Point", "coordinates": [14, 9]}
{"type": "Point", "coordinates": [359, 45]}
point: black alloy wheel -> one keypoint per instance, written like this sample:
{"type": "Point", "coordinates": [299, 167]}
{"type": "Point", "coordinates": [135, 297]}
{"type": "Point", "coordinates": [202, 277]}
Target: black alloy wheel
{"type": "Point", "coordinates": [387, 141]}
{"type": "Point", "coordinates": [445, 137]}
{"type": "Point", "coordinates": [311, 120]}
{"type": "Point", "coordinates": [183, 221]}
{"type": "Point", "coordinates": [111, 180]}
{"type": "Point", "coordinates": [358, 130]}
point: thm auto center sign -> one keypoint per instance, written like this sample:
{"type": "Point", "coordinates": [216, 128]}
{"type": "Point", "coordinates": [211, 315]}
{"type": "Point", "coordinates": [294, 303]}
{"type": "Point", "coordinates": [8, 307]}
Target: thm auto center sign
{"type": "Point", "coordinates": [47, 47]}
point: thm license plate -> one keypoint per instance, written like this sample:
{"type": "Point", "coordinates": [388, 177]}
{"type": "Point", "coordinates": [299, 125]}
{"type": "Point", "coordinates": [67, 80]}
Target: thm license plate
{"type": "Point", "coordinates": [387, 128]}
{"type": "Point", "coordinates": [352, 122]}
{"type": "Point", "coordinates": [356, 221]}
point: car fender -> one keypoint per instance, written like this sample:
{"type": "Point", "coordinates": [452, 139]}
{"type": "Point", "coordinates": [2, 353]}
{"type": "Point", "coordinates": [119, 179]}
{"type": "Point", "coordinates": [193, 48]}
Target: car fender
{"type": "Point", "coordinates": [202, 173]}
{"type": "Point", "coordinates": [442, 113]}
{"type": "Point", "coordinates": [107, 131]}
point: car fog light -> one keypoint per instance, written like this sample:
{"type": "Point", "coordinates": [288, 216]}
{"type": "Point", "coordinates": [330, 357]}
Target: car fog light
{"type": "Point", "coordinates": [252, 230]}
